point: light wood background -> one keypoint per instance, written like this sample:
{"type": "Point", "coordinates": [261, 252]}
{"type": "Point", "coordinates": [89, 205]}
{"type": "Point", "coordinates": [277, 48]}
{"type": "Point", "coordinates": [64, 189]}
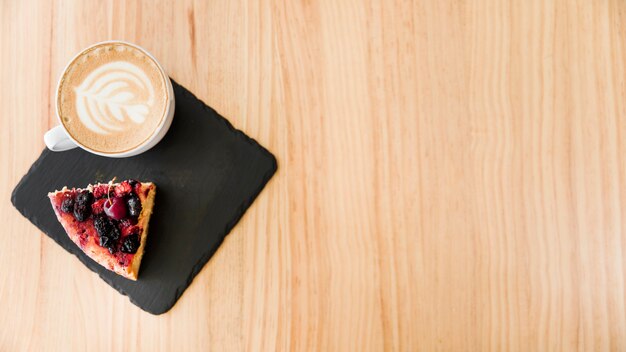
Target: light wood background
{"type": "Point", "coordinates": [451, 175]}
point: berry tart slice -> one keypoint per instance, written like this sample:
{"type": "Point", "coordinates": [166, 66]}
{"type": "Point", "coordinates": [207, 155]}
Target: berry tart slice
{"type": "Point", "coordinates": [109, 222]}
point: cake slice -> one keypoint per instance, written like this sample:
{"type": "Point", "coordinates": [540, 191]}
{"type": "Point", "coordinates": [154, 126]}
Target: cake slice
{"type": "Point", "coordinates": [109, 222]}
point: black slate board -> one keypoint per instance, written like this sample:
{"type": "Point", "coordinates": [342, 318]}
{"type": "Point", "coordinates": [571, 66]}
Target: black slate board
{"type": "Point", "coordinates": [207, 175]}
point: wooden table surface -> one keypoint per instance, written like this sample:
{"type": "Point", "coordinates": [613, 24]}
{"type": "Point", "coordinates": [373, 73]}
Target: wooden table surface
{"type": "Point", "coordinates": [451, 175]}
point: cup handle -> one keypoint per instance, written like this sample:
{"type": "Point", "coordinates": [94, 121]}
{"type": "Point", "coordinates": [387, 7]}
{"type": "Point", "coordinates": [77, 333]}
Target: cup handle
{"type": "Point", "coordinates": [57, 140]}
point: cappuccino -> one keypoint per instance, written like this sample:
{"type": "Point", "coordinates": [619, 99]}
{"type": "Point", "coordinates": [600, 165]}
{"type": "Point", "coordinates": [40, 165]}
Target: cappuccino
{"type": "Point", "coordinates": [112, 98]}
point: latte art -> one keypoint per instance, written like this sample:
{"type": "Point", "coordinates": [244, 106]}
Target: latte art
{"type": "Point", "coordinates": [111, 97]}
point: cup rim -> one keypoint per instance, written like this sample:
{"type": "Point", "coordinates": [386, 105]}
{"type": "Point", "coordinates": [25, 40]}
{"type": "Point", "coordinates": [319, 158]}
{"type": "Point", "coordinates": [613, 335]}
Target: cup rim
{"type": "Point", "coordinates": [155, 133]}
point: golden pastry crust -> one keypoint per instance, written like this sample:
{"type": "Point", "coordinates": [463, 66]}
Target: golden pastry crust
{"type": "Point", "coordinates": [84, 235]}
{"type": "Point", "coordinates": [143, 221]}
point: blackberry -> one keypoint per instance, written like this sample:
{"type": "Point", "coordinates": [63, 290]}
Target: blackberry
{"type": "Point", "coordinates": [102, 225]}
{"type": "Point", "coordinates": [108, 243]}
{"type": "Point", "coordinates": [101, 190]}
{"type": "Point", "coordinates": [132, 182]}
{"type": "Point", "coordinates": [105, 241]}
{"type": "Point", "coordinates": [67, 206]}
{"type": "Point", "coordinates": [114, 233]}
{"type": "Point", "coordinates": [81, 211]}
{"type": "Point", "coordinates": [130, 244]}
{"type": "Point", "coordinates": [84, 198]}
{"type": "Point", "coordinates": [127, 222]}
{"type": "Point", "coordinates": [106, 228]}
{"type": "Point", "coordinates": [134, 205]}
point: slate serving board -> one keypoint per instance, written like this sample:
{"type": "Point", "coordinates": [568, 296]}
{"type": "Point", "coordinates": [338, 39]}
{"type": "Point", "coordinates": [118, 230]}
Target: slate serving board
{"type": "Point", "coordinates": [207, 174]}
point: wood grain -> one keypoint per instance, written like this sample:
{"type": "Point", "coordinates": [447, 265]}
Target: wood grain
{"type": "Point", "coordinates": [451, 175]}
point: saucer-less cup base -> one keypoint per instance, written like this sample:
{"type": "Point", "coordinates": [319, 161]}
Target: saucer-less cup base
{"type": "Point", "coordinates": [58, 139]}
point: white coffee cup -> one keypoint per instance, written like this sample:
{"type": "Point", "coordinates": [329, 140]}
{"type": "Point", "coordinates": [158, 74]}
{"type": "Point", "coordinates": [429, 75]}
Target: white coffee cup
{"type": "Point", "coordinates": [58, 139]}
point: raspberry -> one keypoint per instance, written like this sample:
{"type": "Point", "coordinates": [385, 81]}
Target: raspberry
{"type": "Point", "coordinates": [123, 189]}
{"type": "Point", "coordinates": [98, 206]}
{"type": "Point", "coordinates": [100, 191]}
{"type": "Point", "coordinates": [130, 230]}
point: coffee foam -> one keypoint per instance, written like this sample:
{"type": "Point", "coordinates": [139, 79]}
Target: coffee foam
{"type": "Point", "coordinates": [112, 98]}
